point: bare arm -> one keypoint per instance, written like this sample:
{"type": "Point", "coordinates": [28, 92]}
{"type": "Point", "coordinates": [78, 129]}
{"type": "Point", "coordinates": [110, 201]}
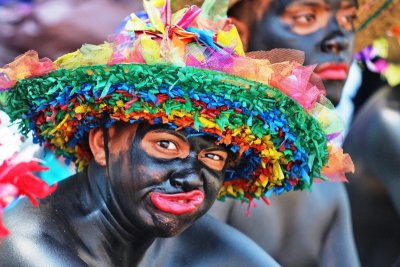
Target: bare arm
{"type": "Point", "coordinates": [374, 144]}
{"type": "Point", "coordinates": [339, 247]}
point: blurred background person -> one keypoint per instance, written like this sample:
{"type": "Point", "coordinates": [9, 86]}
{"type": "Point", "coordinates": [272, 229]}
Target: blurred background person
{"type": "Point", "coordinates": [11, 11]}
{"type": "Point", "coordinates": [55, 27]}
{"type": "Point", "coordinates": [309, 229]}
{"type": "Point", "coordinates": [374, 143]}
{"type": "Point", "coordinates": [322, 29]}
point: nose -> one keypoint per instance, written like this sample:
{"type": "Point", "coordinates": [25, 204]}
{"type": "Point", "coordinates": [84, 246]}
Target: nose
{"type": "Point", "coordinates": [336, 40]}
{"type": "Point", "coordinates": [187, 180]}
{"type": "Point", "coordinates": [335, 44]}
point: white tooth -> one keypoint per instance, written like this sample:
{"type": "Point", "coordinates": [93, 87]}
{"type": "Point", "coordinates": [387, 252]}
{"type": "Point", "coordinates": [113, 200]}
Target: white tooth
{"type": "Point", "coordinates": [181, 201]}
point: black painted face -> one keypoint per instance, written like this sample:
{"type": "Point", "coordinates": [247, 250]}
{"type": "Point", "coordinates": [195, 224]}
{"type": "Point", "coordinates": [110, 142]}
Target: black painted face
{"type": "Point", "coordinates": [323, 29]}
{"type": "Point", "coordinates": [164, 179]}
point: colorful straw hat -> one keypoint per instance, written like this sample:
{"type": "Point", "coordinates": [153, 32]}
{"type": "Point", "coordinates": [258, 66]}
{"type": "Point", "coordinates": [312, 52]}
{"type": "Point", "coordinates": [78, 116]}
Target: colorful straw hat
{"type": "Point", "coordinates": [186, 69]}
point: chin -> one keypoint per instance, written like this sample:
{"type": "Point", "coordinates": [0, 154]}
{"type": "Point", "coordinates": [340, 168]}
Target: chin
{"type": "Point", "coordinates": [165, 226]}
{"type": "Point", "coordinates": [334, 90]}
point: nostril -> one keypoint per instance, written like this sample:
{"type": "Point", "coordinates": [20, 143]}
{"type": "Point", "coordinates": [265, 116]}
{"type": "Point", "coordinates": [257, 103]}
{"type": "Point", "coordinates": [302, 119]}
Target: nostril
{"type": "Point", "coordinates": [335, 45]}
{"type": "Point", "coordinates": [178, 182]}
{"type": "Point", "coordinates": [329, 47]}
{"type": "Point", "coordinates": [186, 181]}
{"type": "Point", "coordinates": [334, 48]}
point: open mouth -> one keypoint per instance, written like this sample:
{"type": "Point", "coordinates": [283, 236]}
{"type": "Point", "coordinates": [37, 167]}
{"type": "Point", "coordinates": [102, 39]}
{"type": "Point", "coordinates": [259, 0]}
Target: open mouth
{"type": "Point", "coordinates": [332, 71]}
{"type": "Point", "coordinates": [177, 203]}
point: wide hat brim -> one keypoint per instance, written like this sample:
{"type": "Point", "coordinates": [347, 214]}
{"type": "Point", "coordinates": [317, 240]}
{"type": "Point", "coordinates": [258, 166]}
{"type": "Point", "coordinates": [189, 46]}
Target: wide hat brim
{"type": "Point", "coordinates": [282, 147]}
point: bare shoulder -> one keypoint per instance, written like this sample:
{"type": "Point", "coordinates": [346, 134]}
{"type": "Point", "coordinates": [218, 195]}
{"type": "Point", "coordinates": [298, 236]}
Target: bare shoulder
{"type": "Point", "coordinates": [375, 122]}
{"type": "Point", "coordinates": [222, 209]}
{"type": "Point", "coordinates": [295, 223]}
{"type": "Point", "coordinates": [324, 198]}
{"type": "Point", "coordinates": [208, 242]}
{"type": "Point", "coordinates": [331, 193]}
{"type": "Point", "coordinates": [377, 125]}
{"type": "Point", "coordinates": [32, 242]}
{"type": "Point", "coordinates": [373, 189]}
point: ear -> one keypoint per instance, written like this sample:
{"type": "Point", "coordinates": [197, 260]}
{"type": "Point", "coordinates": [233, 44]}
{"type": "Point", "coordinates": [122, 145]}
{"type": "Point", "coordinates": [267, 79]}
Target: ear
{"type": "Point", "coordinates": [96, 143]}
{"type": "Point", "coordinates": [243, 30]}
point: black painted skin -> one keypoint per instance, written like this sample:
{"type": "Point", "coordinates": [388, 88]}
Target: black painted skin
{"type": "Point", "coordinates": [100, 219]}
{"type": "Point", "coordinates": [331, 43]}
{"type": "Point", "coordinates": [374, 144]}
{"type": "Point", "coordinates": [299, 229]}
{"type": "Point", "coordinates": [207, 243]}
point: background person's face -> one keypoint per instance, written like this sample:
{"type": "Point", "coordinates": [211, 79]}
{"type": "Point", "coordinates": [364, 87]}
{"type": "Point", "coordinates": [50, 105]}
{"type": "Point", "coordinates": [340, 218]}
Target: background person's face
{"type": "Point", "coordinates": [163, 179]}
{"type": "Point", "coordinates": [323, 29]}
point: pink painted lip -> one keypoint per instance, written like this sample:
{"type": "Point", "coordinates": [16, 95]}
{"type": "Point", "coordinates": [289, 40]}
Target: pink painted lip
{"type": "Point", "coordinates": [177, 203]}
{"type": "Point", "coordinates": [332, 71]}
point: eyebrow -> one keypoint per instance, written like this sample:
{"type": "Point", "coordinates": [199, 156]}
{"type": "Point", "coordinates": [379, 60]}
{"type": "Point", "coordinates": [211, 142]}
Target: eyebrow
{"type": "Point", "coordinates": [348, 4]}
{"type": "Point", "coordinates": [214, 147]}
{"type": "Point", "coordinates": [309, 2]}
{"type": "Point", "coordinates": [217, 147]}
{"type": "Point", "coordinates": [195, 134]}
{"type": "Point", "coordinates": [173, 132]}
{"type": "Point", "coordinates": [316, 3]}
{"type": "Point", "coordinates": [185, 139]}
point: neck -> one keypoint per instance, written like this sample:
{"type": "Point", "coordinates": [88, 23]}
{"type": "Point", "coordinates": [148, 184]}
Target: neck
{"type": "Point", "coordinates": [101, 231]}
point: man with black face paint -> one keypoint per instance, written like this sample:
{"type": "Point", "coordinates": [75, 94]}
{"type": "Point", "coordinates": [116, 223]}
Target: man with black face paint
{"type": "Point", "coordinates": [154, 182]}
{"type": "Point", "coordinates": [313, 228]}
{"type": "Point", "coordinates": [323, 29]}
{"type": "Point", "coordinates": [149, 123]}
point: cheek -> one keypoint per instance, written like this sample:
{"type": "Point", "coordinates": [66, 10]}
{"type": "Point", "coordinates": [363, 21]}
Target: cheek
{"type": "Point", "coordinates": [145, 171]}
{"type": "Point", "coordinates": [213, 182]}
{"type": "Point", "coordinates": [122, 174]}
{"type": "Point", "coordinates": [149, 173]}
{"type": "Point", "coordinates": [350, 36]}
{"type": "Point", "coordinates": [131, 173]}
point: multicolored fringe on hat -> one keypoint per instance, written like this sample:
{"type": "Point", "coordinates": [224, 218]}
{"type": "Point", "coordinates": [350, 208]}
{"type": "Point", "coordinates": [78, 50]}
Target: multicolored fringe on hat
{"type": "Point", "coordinates": [17, 168]}
{"type": "Point", "coordinates": [187, 69]}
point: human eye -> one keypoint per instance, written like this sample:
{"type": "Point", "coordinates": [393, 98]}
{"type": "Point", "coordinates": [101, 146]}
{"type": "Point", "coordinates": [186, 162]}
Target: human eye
{"type": "Point", "coordinates": [166, 144]}
{"type": "Point", "coordinates": [305, 18]}
{"type": "Point", "coordinates": [213, 156]}
{"type": "Point", "coordinates": [350, 18]}
{"type": "Point", "coordinates": [214, 159]}
{"type": "Point", "coordinates": [346, 18]}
